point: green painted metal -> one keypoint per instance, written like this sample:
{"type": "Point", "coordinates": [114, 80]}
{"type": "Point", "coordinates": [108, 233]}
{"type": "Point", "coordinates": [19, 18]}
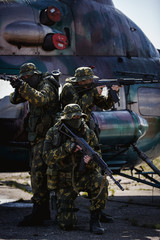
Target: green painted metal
{"type": "Point", "coordinates": [120, 127]}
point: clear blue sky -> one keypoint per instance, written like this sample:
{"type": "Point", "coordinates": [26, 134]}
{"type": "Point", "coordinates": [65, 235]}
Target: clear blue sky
{"type": "Point", "coordinates": [144, 13]}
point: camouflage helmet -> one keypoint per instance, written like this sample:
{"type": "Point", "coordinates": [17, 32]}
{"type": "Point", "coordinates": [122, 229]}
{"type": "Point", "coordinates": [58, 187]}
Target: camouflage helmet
{"type": "Point", "coordinates": [72, 110]}
{"type": "Point", "coordinates": [82, 74]}
{"type": "Point", "coordinates": [28, 69]}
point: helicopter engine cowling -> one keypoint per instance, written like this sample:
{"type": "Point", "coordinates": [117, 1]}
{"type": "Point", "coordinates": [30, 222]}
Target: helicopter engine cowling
{"type": "Point", "coordinates": [118, 130]}
{"type": "Point", "coordinates": [120, 127]}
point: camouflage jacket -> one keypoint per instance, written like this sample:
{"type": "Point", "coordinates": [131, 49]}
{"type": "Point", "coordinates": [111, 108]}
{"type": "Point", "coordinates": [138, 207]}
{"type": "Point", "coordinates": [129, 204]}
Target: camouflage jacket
{"type": "Point", "coordinates": [87, 99]}
{"type": "Point", "coordinates": [43, 106]}
{"type": "Point", "coordinates": [58, 151]}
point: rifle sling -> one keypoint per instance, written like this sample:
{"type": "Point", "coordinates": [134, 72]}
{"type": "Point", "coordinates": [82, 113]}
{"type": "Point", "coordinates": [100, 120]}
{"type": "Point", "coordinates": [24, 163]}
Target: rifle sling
{"type": "Point", "coordinates": [75, 188]}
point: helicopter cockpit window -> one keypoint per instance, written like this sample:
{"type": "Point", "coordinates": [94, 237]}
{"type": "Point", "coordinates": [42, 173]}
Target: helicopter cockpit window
{"type": "Point", "coordinates": [149, 102]}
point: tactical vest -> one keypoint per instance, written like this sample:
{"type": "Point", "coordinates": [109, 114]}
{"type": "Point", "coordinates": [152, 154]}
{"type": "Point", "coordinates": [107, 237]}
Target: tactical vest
{"type": "Point", "coordinates": [43, 117]}
{"type": "Point", "coordinates": [54, 173]}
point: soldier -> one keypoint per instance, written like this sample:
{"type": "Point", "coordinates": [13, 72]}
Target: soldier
{"type": "Point", "coordinates": [41, 92]}
{"type": "Point", "coordinates": [64, 156]}
{"type": "Point", "coordinates": [80, 90]}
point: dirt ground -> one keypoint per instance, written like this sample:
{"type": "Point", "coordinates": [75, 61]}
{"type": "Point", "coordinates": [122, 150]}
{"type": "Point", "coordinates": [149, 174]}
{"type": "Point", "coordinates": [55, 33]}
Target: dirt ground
{"type": "Point", "coordinates": [136, 212]}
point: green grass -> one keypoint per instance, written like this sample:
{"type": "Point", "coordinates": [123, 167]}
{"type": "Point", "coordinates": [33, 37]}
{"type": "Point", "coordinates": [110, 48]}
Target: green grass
{"type": "Point", "coordinates": [112, 192]}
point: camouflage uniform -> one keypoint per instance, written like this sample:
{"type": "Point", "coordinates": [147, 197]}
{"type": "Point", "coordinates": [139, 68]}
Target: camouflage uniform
{"type": "Point", "coordinates": [86, 98]}
{"type": "Point", "coordinates": [59, 154]}
{"type": "Point", "coordinates": [43, 106]}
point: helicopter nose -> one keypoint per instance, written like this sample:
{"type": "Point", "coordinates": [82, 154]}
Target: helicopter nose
{"type": "Point", "coordinates": [120, 127]}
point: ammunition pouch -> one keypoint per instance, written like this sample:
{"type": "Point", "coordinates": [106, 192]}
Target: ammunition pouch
{"type": "Point", "coordinates": [63, 175]}
{"type": "Point", "coordinates": [65, 179]}
{"type": "Point", "coordinates": [52, 178]}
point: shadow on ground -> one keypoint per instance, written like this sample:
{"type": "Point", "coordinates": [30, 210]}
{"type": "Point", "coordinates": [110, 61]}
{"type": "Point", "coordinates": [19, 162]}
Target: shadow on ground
{"type": "Point", "coordinates": [136, 217]}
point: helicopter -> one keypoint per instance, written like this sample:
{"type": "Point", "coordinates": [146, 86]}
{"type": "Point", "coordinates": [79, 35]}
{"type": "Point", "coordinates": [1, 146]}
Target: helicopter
{"type": "Point", "coordinates": [65, 35]}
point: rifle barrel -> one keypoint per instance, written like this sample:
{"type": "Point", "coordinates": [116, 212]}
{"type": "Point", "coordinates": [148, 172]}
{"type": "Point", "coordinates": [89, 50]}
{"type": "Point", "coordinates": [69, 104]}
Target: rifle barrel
{"type": "Point", "coordinates": [6, 77]}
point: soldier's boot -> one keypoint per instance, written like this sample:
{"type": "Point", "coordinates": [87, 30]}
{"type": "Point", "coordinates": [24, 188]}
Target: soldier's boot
{"type": "Point", "coordinates": [95, 225]}
{"type": "Point", "coordinates": [45, 209]}
{"type": "Point", "coordinates": [37, 217]}
{"type": "Point", "coordinates": [105, 218]}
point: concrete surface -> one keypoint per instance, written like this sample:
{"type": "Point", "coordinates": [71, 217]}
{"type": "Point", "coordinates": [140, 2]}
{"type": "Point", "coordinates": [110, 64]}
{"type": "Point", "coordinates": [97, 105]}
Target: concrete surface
{"type": "Point", "coordinates": [136, 213]}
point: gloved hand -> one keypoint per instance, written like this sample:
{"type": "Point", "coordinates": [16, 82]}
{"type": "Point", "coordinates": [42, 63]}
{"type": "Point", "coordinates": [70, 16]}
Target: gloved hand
{"type": "Point", "coordinates": [16, 83]}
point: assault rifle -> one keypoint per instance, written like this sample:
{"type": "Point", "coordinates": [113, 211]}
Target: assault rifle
{"type": "Point", "coordinates": [148, 79]}
{"type": "Point", "coordinates": [6, 77]}
{"type": "Point", "coordinates": [13, 78]}
{"type": "Point", "coordinates": [9, 78]}
{"type": "Point", "coordinates": [87, 150]}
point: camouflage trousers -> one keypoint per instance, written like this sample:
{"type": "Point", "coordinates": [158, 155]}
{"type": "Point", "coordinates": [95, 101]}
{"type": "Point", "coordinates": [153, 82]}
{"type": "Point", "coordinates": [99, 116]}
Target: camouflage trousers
{"type": "Point", "coordinates": [66, 195]}
{"type": "Point", "coordinates": [38, 175]}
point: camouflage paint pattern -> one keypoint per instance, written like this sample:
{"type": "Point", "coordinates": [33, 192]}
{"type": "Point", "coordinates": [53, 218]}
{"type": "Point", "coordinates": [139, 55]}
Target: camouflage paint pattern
{"type": "Point", "coordinates": [59, 157]}
{"type": "Point", "coordinates": [119, 129]}
{"type": "Point", "coordinates": [98, 35]}
{"type": "Point", "coordinates": [72, 110]}
{"type": "Point", "coordinates": [28, 69]}
{"type": "Point", "coordinates": [86, 101]}
{"type": "Point", "coordinates": [44, 104]}
{"type": "Point", "coordinates": [81, 74]}
{"type": "Point", "coordinates": [111, 43]}
{"type": "Point", "coordinates": [54, 153]}
{"type": "Point", "coordinates": [38, 175]}
{"type": "Point", "coordinates": [91, 183]}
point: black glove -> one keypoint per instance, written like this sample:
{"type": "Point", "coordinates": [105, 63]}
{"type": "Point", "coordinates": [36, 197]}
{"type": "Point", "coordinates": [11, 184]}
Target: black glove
{"type": "Point", "coordinates": [16, 83]}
